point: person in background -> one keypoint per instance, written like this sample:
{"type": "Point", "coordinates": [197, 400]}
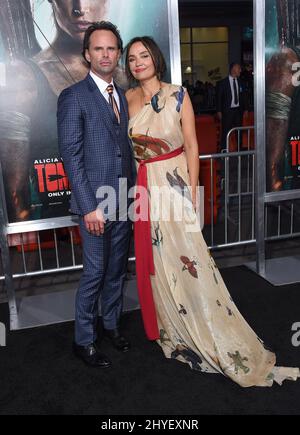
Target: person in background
{"type": "Point", "coordinates": [231, 102]}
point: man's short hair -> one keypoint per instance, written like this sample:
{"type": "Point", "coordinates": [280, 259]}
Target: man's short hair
{"type": "Point", "coordinates": [101, 25]}
{"type": "Point", "coordinates": [232, 65]}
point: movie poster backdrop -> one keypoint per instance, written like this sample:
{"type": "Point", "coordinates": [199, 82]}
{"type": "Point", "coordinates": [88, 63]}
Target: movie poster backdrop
{"type": "Point", "coordinates": [282, 94]}
{"type": "Point", "coordinates": [40, 55]}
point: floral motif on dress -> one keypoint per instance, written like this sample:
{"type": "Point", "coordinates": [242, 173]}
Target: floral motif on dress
{"type": "Point", "coordinates": [143, 143]}
{"type": "Point", "coordinates": [158, 239]}
{"type": "Point", "coordinates": [238, 362]}
{"type": "Point", "coordinates": [179, 95]}
{"type": "Point", "coordinates": [178, 183]}
{"type": "Point", "coordinates": [189, 265]}
{"type": "Point", "coordinates": [189, 355]}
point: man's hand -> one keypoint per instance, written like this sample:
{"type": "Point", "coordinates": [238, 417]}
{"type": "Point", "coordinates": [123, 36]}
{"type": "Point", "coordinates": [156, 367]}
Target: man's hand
{"type": "Point", "coordinates": [94, 222]}
{"type": "Point", "coordinates": [219, 116]}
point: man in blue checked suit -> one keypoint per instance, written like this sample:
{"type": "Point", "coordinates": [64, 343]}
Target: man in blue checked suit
{"type": "Point", "coordinates": [93, 141]}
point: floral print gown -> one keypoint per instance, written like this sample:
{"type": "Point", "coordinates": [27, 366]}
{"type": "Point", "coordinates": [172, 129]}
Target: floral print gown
{"type": "Point", "coordinates": [199, 323]}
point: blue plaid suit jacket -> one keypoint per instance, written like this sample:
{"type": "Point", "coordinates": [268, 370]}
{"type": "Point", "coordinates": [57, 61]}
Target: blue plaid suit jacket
{"type": "Point", "coordinates": [95, 149]}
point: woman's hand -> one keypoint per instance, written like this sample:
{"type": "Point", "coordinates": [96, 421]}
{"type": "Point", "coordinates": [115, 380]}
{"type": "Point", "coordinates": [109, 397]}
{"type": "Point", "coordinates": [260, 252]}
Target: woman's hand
{"type": "Point", "coordinates": [195, 198]}
{"type": "Point", "coordinates": [191, 148]}
{"type": "Point", "coordinates": [94, 222]}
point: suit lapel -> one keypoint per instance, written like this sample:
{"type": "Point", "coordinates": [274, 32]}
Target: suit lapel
{"type": "Point", "coordinates": [229, 91]}
{"type": "Point", "coordinates": [123, 104]}
{"type": "Point", "coordinates": [101, 104]}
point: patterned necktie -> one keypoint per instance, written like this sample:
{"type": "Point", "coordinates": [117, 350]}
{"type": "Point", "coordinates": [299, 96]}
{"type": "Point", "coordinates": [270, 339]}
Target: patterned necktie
{"type": "Point", "coordinates": [112, 101]}
{"type": "Point", "coordinates": [236, 98]}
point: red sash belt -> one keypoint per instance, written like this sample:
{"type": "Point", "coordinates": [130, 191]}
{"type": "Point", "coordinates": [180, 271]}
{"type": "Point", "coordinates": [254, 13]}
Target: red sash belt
{"type": "Point", "coordinates": [144, 253]}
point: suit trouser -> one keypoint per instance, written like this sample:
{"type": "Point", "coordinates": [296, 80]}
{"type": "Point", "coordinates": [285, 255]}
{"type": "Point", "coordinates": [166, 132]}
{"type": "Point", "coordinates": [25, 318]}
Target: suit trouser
{"type": "Point", "coordinates": [104, 272]}
{"type": "Point", "coordinates": [230, 119]}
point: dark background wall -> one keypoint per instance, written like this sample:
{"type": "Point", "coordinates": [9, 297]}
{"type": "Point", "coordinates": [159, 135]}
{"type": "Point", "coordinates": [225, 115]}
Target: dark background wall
{"type": "Point", "coordinates": [234, 14]}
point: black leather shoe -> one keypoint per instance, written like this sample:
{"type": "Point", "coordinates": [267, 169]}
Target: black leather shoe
{"type": "Point", "coordinates": [118, 341]}
{"type": "Point", "coordinates": [91, 356]}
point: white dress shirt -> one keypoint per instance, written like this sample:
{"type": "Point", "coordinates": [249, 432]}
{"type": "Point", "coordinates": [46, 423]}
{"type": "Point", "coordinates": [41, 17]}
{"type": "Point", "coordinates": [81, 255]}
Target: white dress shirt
{"type": "Point", "coordinates": [232, 92]}
{"type": "Point", "coordinates": [102, 86]}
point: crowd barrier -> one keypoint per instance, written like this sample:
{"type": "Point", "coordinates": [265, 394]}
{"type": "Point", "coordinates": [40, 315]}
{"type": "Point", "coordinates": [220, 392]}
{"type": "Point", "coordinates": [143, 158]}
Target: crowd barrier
{"type": "Point", "coordinates": [229, 203]}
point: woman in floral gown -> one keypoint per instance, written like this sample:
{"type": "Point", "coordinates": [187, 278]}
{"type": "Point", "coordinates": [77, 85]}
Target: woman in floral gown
{"type": "Point", "coordinates": [185, 304]}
